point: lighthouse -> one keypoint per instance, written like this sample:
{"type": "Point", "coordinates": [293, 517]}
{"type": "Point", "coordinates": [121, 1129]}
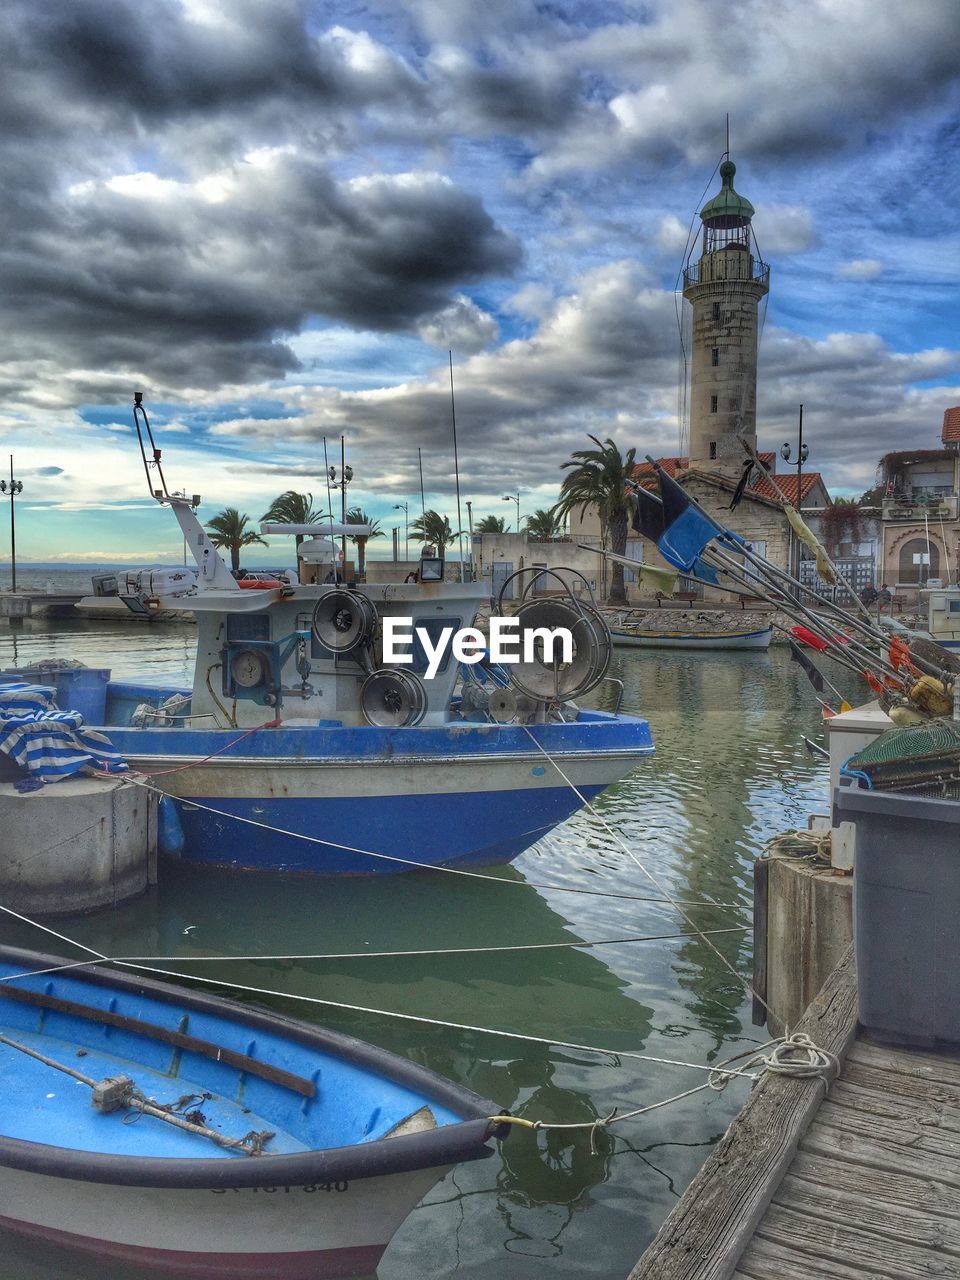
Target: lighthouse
{"type": "Point", "coordinates": [724, 288]}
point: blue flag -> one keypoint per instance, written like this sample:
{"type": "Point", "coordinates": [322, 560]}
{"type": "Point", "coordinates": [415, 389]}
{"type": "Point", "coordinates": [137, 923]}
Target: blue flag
{"type": "Point", "coordinates": [687, 529]}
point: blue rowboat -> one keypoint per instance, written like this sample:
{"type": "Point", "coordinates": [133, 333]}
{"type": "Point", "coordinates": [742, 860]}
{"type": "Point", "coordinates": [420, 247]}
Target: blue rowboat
{"type": "Point", "coordinates": [356, 1135]}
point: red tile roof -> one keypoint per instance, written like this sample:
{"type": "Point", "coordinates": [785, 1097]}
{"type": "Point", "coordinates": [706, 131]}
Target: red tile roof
{"type": "Point", "coordinates": [787, 483]}
{"type": "Point", "coordinates": [762, 488]}
{"type": "Point", "coordinates": [951, 425]}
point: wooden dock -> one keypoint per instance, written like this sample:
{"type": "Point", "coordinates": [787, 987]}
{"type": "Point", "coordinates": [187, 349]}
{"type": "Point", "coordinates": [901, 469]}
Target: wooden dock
{"type": "Point", "coordinates": [864, 1183]}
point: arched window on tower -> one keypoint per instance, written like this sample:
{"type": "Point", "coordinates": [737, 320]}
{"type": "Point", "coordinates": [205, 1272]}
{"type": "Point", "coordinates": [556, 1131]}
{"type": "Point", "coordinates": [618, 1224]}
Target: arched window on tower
{"type": "Point", "coordinates": [913, 569]}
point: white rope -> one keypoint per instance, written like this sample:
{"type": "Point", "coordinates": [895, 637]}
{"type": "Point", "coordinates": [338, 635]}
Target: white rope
{"type": "Point", "coordinates": [390, 955]}
{"type": "Point", "coordinates": [409, 862]}
{"type": "Point", "coordinates": [380, 1013]}
{"type": "Point", "coordinates": [793, 1055]}
{"type": "Point", "coordinates": [748, 986]}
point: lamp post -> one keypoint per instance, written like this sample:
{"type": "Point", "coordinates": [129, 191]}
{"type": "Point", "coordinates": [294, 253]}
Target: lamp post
{"type": "Point", "coordinates": [345, 476]}
{"type": "Point", "coordinates": [514, 497]}
{"type": "Point", "coordinates": [803, 453]}
{"type": "Point", "coordinates": [13, 487]}
{"type": "Point", "coordinates": [405, 508]}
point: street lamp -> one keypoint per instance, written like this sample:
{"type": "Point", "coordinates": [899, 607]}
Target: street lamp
{"type": "Point", "coordinates": [13, 487]}
{"type": "Point", "coordinates": [514, 497]}
{"type": "Point", "coordinates": [404, 507]}
{"type": "Point", "coordinates": [346, 475]}
{"type": "Point", "coordinates": [803, 453]}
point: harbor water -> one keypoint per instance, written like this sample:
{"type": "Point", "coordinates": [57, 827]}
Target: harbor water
{"type": "Point", "coordinates": [730, 771]}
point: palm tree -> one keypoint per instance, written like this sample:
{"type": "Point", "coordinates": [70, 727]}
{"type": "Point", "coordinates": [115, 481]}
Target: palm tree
{"type": "Point", "coordinates": [292, 508]}
{"type": "Point", "coordinates": [545, 524]}
{"type": "Point", "coordinates": [434, 528]}
{"type": "Point", "coordinates": [356, 515]}
{"type": "Point", "coordinates": [228, 528]}
{"type": "Point", "coordinates": [492, 524]}
{"type": "Point", "coordinates": [599, 479]}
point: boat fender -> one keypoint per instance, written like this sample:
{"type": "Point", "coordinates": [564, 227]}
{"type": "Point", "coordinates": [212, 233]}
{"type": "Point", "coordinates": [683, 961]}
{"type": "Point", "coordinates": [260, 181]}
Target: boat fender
{"type": "Point", "coordinates": [260, 584]}
{"type": "Point", "coordinates": [170, 839]}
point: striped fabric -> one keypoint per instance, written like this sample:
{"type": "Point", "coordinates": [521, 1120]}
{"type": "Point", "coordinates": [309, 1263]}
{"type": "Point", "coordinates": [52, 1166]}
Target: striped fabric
{"type": "Point", "coordinates": [48, 743]}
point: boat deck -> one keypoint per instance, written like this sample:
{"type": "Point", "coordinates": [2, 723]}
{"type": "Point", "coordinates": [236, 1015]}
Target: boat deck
{"type": "Point", "coordinates": [863, 1183]}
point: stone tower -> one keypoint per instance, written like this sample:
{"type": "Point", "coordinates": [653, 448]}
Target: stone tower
{"type": "Point", "coordinates": [725, 288]}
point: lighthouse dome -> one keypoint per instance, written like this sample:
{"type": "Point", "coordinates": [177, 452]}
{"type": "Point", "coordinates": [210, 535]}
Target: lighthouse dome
{"type": "Point", "coordinates": [727, 208]}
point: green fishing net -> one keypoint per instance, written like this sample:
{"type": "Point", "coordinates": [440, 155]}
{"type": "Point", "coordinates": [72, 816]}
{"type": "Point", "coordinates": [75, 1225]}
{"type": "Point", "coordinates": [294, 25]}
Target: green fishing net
{"type": "Point", "coordinates": [922, 756]}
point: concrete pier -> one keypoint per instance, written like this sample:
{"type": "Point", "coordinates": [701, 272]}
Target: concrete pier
{"type": "Point", "coordinates": [76, 845]}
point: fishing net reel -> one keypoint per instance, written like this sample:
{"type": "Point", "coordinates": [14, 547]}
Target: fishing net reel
{"type": "Point", "coordinates": [393, 699]}
{"type": "Point", "coordinates": [344, 621]}
{"type": "Point", "coordinates": [543, 674]}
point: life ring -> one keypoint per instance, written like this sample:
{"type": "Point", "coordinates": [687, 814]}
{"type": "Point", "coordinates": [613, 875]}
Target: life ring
{"type": "Point", "coordinates": [258, 584]}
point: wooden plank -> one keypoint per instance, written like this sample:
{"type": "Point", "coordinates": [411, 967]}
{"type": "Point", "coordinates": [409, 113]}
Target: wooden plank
{"type": "Point", "coordinates": [874, 1256]}
{"type": "Point", "coordinates": [859, 1209]}
{"type": "Point", "coordinates": [906, 1131]}
{"type": "Point", "coordinates": [884, 1186]}
{"type": "Point", "coordinates": [942, 1067]}
{"type": "Point", "coordinates": [825, 1140]}
{"type": "Point", "coordinates": [765, 1260]}
{"type": "Point", "coordinates": [761, 878]}
{"type": "Point", "coordinates": [893, 1084]}
{"type": "Point", "coordinates": [892, 1106]}
{"type": "Point", "coordinates": [706, 1232]}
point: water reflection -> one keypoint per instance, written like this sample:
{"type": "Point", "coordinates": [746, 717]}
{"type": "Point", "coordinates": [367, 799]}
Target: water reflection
{"type": "Point", "coordinates": [730, 770]}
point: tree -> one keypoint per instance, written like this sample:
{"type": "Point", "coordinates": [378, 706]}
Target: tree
{"type": "Point", "coordinates": [228, 528]}
{"type": "Point", "coordinates": [492, 524]}
{"type": "Point", "coordinates": [599, 478]}
{"type": "Point", "coordinates": [292, 508]}
{"type": "Point", "coordinates": [434, 528]}
{"type": "Point", "coordinates": [545, 524]}
{"type": "Point", "coordinates": [356, 515]}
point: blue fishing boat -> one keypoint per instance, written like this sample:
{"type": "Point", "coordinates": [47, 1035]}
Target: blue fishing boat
{"type": "Point", "coordinates": [301, 746]}
{"type": "Point", "coordinates": [263, 1145]}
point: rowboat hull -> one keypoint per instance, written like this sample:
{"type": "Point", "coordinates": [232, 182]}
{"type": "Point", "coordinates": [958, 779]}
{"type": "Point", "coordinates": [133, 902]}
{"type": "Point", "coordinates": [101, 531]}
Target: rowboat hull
{"type": "Point", "coordinates": [153, 1195]}
{"type": "Point", "coordinates": [451, 797]}
{"type": "Point", "coordinates": [692, 640]}
{"type": "Point", "coordinates": [236, 1233]}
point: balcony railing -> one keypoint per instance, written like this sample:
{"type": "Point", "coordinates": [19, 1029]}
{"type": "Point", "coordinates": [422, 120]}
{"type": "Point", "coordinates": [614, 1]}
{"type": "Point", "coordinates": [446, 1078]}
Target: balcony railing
{"type": "Point", "coordinates": [932, 505]}
{"type": "Point", "coordinates": [733, 265]}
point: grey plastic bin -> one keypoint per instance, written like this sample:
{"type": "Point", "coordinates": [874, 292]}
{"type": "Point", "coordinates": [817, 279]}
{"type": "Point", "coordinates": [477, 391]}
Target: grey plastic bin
{"type": "Point", "coordinates": [906, 913]}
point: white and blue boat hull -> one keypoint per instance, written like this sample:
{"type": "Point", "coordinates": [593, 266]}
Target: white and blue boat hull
{"type": "Point", "coordinates": [339, 801]}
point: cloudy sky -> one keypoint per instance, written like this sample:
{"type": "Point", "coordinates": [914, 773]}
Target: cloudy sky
{"type": "Point", "coordinates": [275, 219]}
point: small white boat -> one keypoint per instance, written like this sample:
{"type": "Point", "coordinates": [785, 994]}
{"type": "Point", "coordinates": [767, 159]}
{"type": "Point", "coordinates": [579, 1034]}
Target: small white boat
{"type": "Point", "coordinates": [264, 1145]}
{"type": "Point", "coordinates": [628, 637]}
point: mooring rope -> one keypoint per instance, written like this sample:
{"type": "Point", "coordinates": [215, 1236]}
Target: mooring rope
{"type": "Point", "coordinates": [139, 780]}
{"type": "Point", "coordinates": [365, 1009]}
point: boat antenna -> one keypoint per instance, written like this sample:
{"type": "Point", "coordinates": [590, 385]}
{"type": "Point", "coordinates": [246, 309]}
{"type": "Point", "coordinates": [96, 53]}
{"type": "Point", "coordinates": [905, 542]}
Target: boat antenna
{"type": "Point", "coordinates": [423, 505]}
{"type": "Point", "coordinates": [140, 412]}
{"type": "Point", "coordinates": [456, 464]}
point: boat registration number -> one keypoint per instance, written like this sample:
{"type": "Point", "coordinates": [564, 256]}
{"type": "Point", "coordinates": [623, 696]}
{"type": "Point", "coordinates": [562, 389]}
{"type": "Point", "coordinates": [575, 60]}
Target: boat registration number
{"type": "Point", "coordinates": [310, 1186]}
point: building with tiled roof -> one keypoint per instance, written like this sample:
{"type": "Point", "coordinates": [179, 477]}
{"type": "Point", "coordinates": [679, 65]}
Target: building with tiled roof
{"type": "Point", "coordinates": [950, 433]}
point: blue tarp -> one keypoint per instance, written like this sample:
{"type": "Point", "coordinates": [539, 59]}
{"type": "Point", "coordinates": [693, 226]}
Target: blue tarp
{"type": "Point", "coordinates": [46, 742]}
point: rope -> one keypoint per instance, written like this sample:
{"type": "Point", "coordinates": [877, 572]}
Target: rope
{"type": "Point", "coordinates": [122, 1092]}
{"type": "Point", "coordinates": [137, 780]}
{"type": "Point", "coordinates": [748, 986]}
{"type": "Point", "coordinates": [793, 1055]}
{"type": "Point", "coordinates": [811, 845]}
{"type": "Point", "coordinates": [378, 955]}
{"type": "Point", "coordinates": [381, 1013]}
